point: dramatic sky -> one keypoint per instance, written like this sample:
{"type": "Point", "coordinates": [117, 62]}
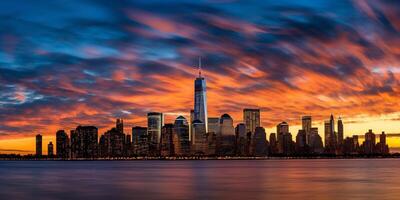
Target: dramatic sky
{"type": "Point", "coordinates": [65, 63]}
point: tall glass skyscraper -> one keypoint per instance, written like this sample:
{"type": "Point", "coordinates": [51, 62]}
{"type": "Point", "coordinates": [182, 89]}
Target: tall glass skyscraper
{"type": "Point", "coordinates": [200, 99]}
{"type": "Point", "coordinates": [155, 121]}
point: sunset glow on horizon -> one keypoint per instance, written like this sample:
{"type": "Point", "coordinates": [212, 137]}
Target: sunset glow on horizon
{"type": "Point", "coordinates": [64, 64]}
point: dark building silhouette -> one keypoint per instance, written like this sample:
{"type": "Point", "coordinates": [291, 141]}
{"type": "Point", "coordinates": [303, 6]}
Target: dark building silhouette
{"type": "Point", "coordinates": [285, 142]}
{"type": "Point", "coordinates": [50, 150]}
{"type": "Point", "coordinates": [166, 143]}
{"type": "Point", "coordinates": [140, 141]}
{"type": "Point", "coordinates": [316, 145]}
{"type": "Point", "coordinates": [260, 144]}
{"type": "Point", "coordinates": [181, 136]}
{"type": "Point", "coordinates": [382, 147]}
{"type": "Point", "coordinates": [273, 144]}
{"type": "Point", "coordinates": [38, 145]}
{"type": "Point", "coordinates": [368, 146]}
{"type": "Point", "coordinates": [62, 144]}
{"type": "Point", "coordinates": [241, 136]}
{"type": "Point", "coordinates": [350, 146]}
{"type": "Point", "coordinates": [340, 132]}
{"type": "Point", "coordinates": [84, 142]}
{"type": "Point", "coordinates": [301, 146]}
{"type": "Point", "coordinates": [119, 125]}
{"type": "Point", "coordinates": [114, 143]}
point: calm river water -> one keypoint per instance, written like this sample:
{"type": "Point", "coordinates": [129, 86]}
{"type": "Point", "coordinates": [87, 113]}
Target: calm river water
{"type": "Point", "coordinates": [213, 179]}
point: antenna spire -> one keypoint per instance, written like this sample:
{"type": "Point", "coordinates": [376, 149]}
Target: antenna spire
{"type": "Point", "coordinates": [199, 66]}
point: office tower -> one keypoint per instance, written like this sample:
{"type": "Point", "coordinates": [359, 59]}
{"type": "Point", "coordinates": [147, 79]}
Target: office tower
{"type": "Point", "coordinates": [227, 134]}
{"type": "Point", "coordinates": [273, 144]}
{"type": "Point", "coordinates": [191, 119]}
{"type": "Point", "coordinates": [368, 145]}
{"type": "Point", "coordinates": [103, 147]}
{"type": "Point", "coordinates": [140, 140]}
{"type": "Point", "coordinates": [213, 125]}
{"type": "Point", "coordinates": [128, 141]}
{"type": "Point", "coordinates": [340, 132]}
{"type": "Point", "coordinates": [139, 134]}
{"type": "Point", "coordinates": [155, 121]}
{"type": "Point", "coordinates": [285, 142]}
{"type": "Point", "coordinates": [86, 141]}
{"type": "Point", "coordinates": [330, 136]}
{"type": "Point", "coordinates": [282, 129]}
{"type": "Point", "coordinates": [241, 130]}
{"type": "Point", "coordinates": [348, 147]}
{"type": "Point", "coordinates": [316, 145]}
{"type": "Point", "coordinates": [181, 136]}
{"type": "Point", "coordinates": [38, 145]}
{"type": "Point", "coordinates": [382, 138]}
{"type": "Point", "coordinates": [306, 124]}
{"type": "Point", "coordinates": [74, 146]}
{"type": "Point", "coordinates": [211, 143]}
{"type": "Point", "coordinates": [301, 146]}
{"type": "Point", "coordinates": [166, 142]}
{"type": "Point", "coordinates": [62, 144]}
{"type": "Point", "coordinates": [260, 145]}
{"type": "Point", "coordinates": [115, 142]}
{"type": "Point", "coordinates": [128, 149]}
{"type": "Point", "coordinates": [382, 147]}
{"type": "Point", "coordinates": [251, 118]}
{"type": "Point", "coordinates": [119, 125]}
{"type": "Point", "coordinates": [198, 134]}
{"type": "Point", "coordinates": [356, 144]}
{"type": "Point", "coordinates": [50, 149]}
{"type": "Point", "coordinates": [200, 99]}
{"type": "Point", "coordinates": [226, 125]}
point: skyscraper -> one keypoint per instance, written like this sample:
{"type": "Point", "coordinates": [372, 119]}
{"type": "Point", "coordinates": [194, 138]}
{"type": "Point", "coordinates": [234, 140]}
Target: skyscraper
{"type": "Point", "coordinates": [213, 125]}
{"type": "Point", "coordinates": [259, 143]}
{"type": "Point", "coordinates": [155, 121]}
{"type": "Point", "coordinates": [38, 145]}
{"type": "Point", "coordinates": [306, 124]}
{"type": "Point", "coordinates": [140, 140]}
{"type": "Point", "coordinates": [240, 130]}
{"type": "Point", "coordinates": [330, 135]}
{"type": "Point", "coordinates": [198, 134]}
{"type": "Point", "coordinates": [181, 136]}
{"type": "Point", "coordinates": [166, 142]}
{"type": "Point", "coordinates": [340, 132]}
{"type": "Point", "coordinates": [50, 149]}
{"type": "Point", "coordinates": [368, 145]}
{"type": "Point", "coordinates": [227, 135]}
{"type": "Point", "coordinates": [200, 99]}
{"type": "Point", "coordinates": [84, 140]}
{"type": "Point", "coordinates": [119, 124]}
{"type": "Point", "coordinates": [251, 118]}
{"type": "Point", "coordinates": [62, 144]}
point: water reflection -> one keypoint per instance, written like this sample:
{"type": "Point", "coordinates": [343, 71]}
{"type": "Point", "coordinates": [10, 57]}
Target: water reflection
{"type": "Point", "coordinates": [273, 179]}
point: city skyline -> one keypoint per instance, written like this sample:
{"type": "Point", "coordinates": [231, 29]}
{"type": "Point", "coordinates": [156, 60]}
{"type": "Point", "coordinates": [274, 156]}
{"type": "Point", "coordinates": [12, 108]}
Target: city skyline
{"type": "Point", "coordinates": [59, 69]}
{"type": "Point", "coordinates": [193, 137]}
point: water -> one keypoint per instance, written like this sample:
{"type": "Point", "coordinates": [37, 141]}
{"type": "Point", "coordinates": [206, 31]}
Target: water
{"type": "Point", "coordinates": [230, 179]}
